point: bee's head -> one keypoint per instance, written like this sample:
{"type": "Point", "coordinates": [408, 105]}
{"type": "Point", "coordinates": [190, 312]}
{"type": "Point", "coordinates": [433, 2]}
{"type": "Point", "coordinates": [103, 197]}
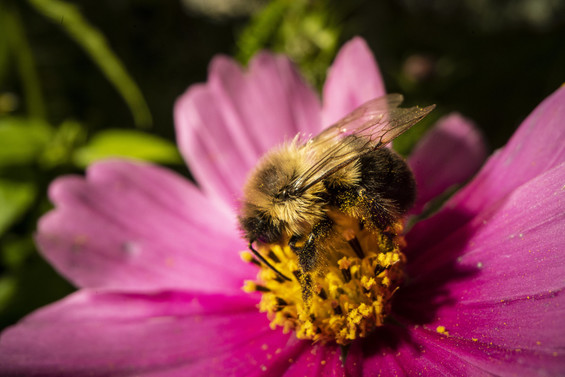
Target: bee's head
{"type": "Point", "coordinates": [273, 206]}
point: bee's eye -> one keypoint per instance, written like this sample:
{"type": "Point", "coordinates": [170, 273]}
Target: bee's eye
{"type": "Point", "coordinates": [282, 195]}
{"type": "Point", "coordinates": [269, 234]}
{"type": "Point", "coordinates": [285, 193]}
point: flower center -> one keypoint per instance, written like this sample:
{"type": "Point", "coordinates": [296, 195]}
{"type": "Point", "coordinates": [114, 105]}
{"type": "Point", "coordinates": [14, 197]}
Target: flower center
{"type": "Point", "coordinates": [350, 292]}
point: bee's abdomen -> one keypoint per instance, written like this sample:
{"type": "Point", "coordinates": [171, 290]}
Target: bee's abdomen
{"type": "Point", "coordinates": [385, 190]}
{"type": "Point", "coordinates": [386, 174]}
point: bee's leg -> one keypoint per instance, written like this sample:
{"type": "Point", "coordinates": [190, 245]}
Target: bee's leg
{"type": "Point", "coordinates": [306, 251]}
{"type": "Point", "coordinates": [303, 276]}
{"type": "Point", "coordinates": [307, 254]}
{"type": "Point", "coordinates": [306, 259]}
{"type": "Point", "coordinates": [306, 285]}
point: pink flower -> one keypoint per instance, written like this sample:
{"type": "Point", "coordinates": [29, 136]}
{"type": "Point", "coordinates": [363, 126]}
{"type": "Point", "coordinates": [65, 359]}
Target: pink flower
{"type": "Point", "coordinates": [156, 257]}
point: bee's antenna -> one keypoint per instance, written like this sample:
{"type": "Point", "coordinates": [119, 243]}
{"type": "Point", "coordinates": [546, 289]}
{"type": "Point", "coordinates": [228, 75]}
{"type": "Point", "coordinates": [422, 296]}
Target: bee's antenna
{"type": "Point", "coordinates": [266, 262]}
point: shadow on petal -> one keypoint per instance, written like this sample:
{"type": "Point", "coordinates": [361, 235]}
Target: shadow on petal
{"type": "Point", "coordinates": [423, 294]}
{"type": "Point", "coordinates": [431, 270]}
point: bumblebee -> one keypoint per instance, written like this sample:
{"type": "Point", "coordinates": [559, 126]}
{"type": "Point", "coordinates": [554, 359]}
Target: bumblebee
{"type": "Point", "coordinates": [315, 193]}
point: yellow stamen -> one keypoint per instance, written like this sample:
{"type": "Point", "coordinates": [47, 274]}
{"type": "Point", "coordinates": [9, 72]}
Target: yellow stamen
{"type": "Point", "coordinates": [246, 256]}
{"type": "Point", "coordinates": [348, 296]}
{"type": "Point", "coordinates": [249, 286]}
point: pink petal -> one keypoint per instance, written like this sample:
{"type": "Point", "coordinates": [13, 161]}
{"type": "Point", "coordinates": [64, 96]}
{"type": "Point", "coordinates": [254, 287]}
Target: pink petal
{"type": "Point", "coordinates": [448, 155]}
{"type": "Point", "coordinates": [224, 126]}
{"type": "Point", "coordinates": [478, 358]}
{"type": "Point", "coordinates": [489, 266]}
{"type": "Point", "coordinates": [512, 250]}
{"type": "Point", "coordinates": [519, 242]}
{"type": "Point", "coordinates": [161, 334]}
{"type": "Point", "coordinates": [521, 337]}
{"type": "Point", "coordinates": [135, 226]}
{"type": "Point", "coordinates": [418, 351]}
{"type": "Point", "coordinates": [536, 147]}
{"type": "Point", "coordinates": [497, 283]}
{"type": "Point", "coordinates": [398, 351]}
{"type": "Point", "coordinates": [353, 79]}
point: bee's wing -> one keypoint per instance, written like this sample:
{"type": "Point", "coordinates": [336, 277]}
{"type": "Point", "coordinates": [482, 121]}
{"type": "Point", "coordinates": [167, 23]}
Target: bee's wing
{"type": "Point", "coordinates": [376, 122]}
{"type": "Point", "coordinates": [380, 120]}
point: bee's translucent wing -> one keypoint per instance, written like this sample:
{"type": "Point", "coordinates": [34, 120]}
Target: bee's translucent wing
{"type": "Point", "coordinates": [375, 123]}
{"type": "Point", "coordinates": [380, 120]}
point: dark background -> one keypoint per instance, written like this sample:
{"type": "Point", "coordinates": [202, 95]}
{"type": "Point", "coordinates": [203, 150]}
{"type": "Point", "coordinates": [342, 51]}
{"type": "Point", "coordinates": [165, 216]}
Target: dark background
{"type": "Point", "coordinates": [492, 63]}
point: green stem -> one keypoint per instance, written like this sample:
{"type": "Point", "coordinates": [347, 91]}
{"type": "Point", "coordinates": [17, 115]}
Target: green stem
{"type": "Point", "coordinates": [94, 44]}
{"type": "Point", "coordinates": [17, 42]}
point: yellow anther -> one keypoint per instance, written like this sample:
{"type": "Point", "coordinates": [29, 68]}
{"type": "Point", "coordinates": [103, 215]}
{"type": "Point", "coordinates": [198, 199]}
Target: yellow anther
{"type": "Point", "coordinates": [249, 286]}
{"type": "Point", "coordinates": [368, 282]}
{"type": "Point", "coordinates": [246, 256]}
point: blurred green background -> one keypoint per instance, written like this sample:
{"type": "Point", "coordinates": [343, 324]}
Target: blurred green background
{"type": "Point", "coordinates": [84, 80]}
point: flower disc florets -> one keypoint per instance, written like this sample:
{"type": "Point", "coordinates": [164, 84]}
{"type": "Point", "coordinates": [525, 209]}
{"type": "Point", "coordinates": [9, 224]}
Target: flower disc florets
{"type": "Point", "coordinates": [350, 294]}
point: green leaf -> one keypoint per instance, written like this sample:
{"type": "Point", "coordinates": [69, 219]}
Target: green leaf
{"type": "Point", "coordinates": [22, 140]}
{"type": "Point", "coordinates": [307, 31]}
{"type": "Point", "coordinates": [129, 144]}
{"type": "Point", "coordinates": [260, 29]}
{"type": "Point", "coordinates": [94, 43]}
{"type": "Point", "coordinates": [15, 198]}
